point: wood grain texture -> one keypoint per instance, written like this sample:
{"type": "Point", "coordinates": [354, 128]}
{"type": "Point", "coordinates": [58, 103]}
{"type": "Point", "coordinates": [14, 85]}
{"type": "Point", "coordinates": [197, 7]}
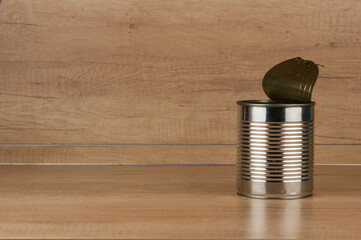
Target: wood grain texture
{"type": "Point", "coordinates": [171, 154]}
{"type": "Point", "coordinates": [156, 71]}
{"type": "Point", "coordinates": [169, 202]}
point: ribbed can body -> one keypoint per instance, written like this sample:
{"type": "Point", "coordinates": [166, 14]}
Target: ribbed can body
{"type": "Point", "coordinates": [275, 149]}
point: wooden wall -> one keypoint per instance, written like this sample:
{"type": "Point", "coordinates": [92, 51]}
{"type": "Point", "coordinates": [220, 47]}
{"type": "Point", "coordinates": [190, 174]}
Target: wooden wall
{"type": "Point", "coordinates": [156, 81]}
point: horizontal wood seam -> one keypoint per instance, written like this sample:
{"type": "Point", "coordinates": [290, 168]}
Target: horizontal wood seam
{"type": "Point", "coordinates": [151, 164]}
{"type": "Point", "coordinates": [133, 144]}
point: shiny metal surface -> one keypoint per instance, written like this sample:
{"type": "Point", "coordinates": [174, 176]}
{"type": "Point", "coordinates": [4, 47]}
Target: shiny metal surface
{"type": "Point", "coordinates": [275, 149]}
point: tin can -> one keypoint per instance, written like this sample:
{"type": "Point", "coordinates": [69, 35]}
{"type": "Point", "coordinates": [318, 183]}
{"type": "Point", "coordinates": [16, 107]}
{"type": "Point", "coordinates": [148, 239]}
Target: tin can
{"type": "Point", "coordinates": [275, 149]}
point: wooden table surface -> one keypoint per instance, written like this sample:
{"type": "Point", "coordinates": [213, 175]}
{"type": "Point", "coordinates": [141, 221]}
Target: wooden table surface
{"type": "Point", "coordinates": [182, 202]}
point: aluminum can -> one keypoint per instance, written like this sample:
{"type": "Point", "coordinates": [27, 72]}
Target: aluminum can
{"type": "Point", "coordinates": [275, 149]}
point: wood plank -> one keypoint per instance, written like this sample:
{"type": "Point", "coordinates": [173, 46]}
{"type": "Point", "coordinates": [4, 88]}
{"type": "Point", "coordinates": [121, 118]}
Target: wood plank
{"type": "Point", "coordinates": [169, 202]}
{"type": "Point", "coordinates": [167, 72]}
{"type": "Point", "coordinates": [171, 154]}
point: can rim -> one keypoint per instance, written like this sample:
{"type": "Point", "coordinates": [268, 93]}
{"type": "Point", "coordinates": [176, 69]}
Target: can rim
{"type": "Point", "coordinates": [270, 103]}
